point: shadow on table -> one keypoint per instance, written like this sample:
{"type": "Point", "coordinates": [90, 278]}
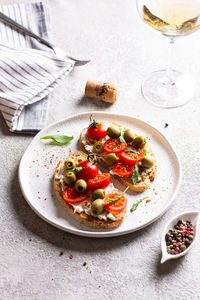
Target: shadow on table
{"type": "Point", "coordinates": [3, 127]}
{"type": "Point", "coordinates": [36, 226]}
{"type": "Point", "coordinates": [86, 102]}
{"type": "Point", "coordinates": [169, 266]}
{"type": "Point", "coordinates": [5, 131]}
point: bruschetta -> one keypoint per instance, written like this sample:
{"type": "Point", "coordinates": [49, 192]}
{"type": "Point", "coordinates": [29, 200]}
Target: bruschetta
{"type": "Point", "coordinates": [122, 151]}
{"type": "Point", "coordinates": [87, 193]}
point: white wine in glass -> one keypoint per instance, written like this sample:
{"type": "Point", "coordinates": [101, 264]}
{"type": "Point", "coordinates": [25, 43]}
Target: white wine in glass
{"type": "Point", "coordinates": [173, 18]}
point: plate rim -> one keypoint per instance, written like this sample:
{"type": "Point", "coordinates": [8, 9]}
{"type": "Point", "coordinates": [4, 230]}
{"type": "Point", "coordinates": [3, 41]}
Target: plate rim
{"type": "Point", "coordinates": [100, 234]}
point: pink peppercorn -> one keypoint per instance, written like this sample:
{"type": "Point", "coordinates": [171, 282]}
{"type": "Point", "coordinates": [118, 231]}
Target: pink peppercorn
{"type": "Point", "coordinates": [177, 244]}
{"type": "Point", "coordinates": [180, 228]}
{"type": "Point", "coordinates": [192, 229]}
{"type": "Point", "coordinates": [176, 252]}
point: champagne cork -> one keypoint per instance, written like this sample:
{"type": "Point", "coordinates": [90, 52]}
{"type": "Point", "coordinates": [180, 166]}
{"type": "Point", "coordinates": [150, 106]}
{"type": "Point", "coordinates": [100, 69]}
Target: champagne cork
{"type": "Point", "coordinates": [105, 91]}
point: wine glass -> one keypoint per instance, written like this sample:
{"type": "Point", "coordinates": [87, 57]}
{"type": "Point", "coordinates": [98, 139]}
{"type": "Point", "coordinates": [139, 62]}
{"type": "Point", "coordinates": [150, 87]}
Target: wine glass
{"type": "Point", "coordinates": [173, 18]}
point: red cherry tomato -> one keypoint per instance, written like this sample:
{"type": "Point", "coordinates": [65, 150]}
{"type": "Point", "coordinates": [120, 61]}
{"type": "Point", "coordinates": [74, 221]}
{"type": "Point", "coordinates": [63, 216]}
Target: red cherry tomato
{"type": "Point", "coordinates": [96, 133]}
{"type": "Point", "coordinates": [123, 170]}
{"type": "Point", "coordinates": [114, 146]}
{"type": "Point", "coordinates": [129, 158]}
{"type": "Point", "coordinates": [101, 181]}
{"type": "Point", "coordinates": [71, 196]}
{"type": "Point", "coordinates": [116, 207]}
{"type": "Point", "coordinates": [89, 170]}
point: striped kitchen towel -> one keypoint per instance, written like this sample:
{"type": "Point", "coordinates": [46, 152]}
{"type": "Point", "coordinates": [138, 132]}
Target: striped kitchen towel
{"type": "Point", "coordinates": [29, 70]}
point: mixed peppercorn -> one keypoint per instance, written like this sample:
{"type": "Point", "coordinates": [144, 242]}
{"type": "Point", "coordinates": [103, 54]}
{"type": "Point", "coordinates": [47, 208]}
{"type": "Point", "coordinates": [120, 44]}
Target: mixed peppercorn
{"type": "Point", "coordinates": [179, 238]}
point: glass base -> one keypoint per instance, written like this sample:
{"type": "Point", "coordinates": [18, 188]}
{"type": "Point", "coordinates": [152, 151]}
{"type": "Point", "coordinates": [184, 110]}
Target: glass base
{"type": "Point", "coordinates": [168, 93]}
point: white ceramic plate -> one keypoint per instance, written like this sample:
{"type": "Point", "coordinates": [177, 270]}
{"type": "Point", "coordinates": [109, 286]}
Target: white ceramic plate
{"type": "Point", "coordinates": [39, 161]}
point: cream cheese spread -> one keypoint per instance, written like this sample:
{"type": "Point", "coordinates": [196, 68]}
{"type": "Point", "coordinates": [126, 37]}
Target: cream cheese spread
{"type": "Point", "coordinates": [79, 207]}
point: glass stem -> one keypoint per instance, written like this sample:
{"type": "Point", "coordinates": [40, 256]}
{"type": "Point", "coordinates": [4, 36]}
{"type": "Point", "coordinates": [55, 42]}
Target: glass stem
{"type": "Point", "coordinates": [169, 67]}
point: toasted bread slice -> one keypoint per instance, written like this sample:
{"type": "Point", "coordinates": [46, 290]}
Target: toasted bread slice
{"type": "Point", "coordinates": [143, 184]}
{"type": "Point", "coordinates": [81, 136]}
{"type": "Point", "coordinates": [127, 181]}
{"type": "Point", "coordinates": [82, 217]}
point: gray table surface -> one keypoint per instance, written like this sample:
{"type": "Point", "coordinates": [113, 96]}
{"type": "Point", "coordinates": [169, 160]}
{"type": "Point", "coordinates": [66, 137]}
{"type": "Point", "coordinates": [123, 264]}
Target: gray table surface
{"type": "Point", "coordinates": [123, 50]}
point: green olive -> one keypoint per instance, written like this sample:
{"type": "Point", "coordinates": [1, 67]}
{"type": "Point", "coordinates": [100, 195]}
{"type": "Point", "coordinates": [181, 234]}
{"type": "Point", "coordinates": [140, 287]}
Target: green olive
{"type": "Point", "coordinates": [69, 177]}
{"type": "Point", "coordinates": [113, 132]}
{"type": "Point", "coordinates": [98, 147]}
{"type": "Point", "coordinates": [70, 164]}
{"type": "Point", "coordinates": [111, 159]}
{"type": "Point", "coordinates": [97, 206]}
{"type": "Point", "coordinates": [98, 194]}
{"type": "Point", "coordinates": [147, 162]}
{"type": "Point", "coordinates": [139, 142]}
{"type": "Point", "coordinates": [80, 185]}
{"type": "Point", "coordinates": [129, 135]}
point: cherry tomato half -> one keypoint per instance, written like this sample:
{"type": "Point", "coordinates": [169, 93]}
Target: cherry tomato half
{"type": "Point", "coordinates": [123, 170]}
{"type": "Point", "coordinates": [101, 181]}
{"type": "Point", "coordinates": [114, 146]}
{"type": "Point", "coordinates": [129, 158]}
{"type": "Point", "coordinates": [89, 170]}
{"type": "Point", "coordinates": [96, 133]}
{"type": "Point", "coordinates": [71, 196]}
{"type": "Point", "coordinates": [116, 207]}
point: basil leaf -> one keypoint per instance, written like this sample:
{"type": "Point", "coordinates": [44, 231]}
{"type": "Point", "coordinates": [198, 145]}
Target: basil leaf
{"type": "Point", "coordinates": [109, 200]}
{"type": "Point", "coordinates": [136, 174]}
{"type": "Point", "coordinates": [114, 200]}
{"type": "Point", "coordinates": [121, 138]}
{"type": "Point", "coordinates": [132, 150]}
{"type": "Point", "coordinates": [75, 170]}
{"type": "Point", "coordinates": [135, 205]}
{"type": "Point", "coordinates": [78, 169]}
{"type": "Point", "coordinates": [58, 139]}
{"type": "Point", "coordinates": [145, 152]}
{"type": "Point", "coordinates": [135, 151]}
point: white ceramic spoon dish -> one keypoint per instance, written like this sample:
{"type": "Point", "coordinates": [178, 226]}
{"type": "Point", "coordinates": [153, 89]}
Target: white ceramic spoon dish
{"type": "Point", "coordinates": [193, 216]}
